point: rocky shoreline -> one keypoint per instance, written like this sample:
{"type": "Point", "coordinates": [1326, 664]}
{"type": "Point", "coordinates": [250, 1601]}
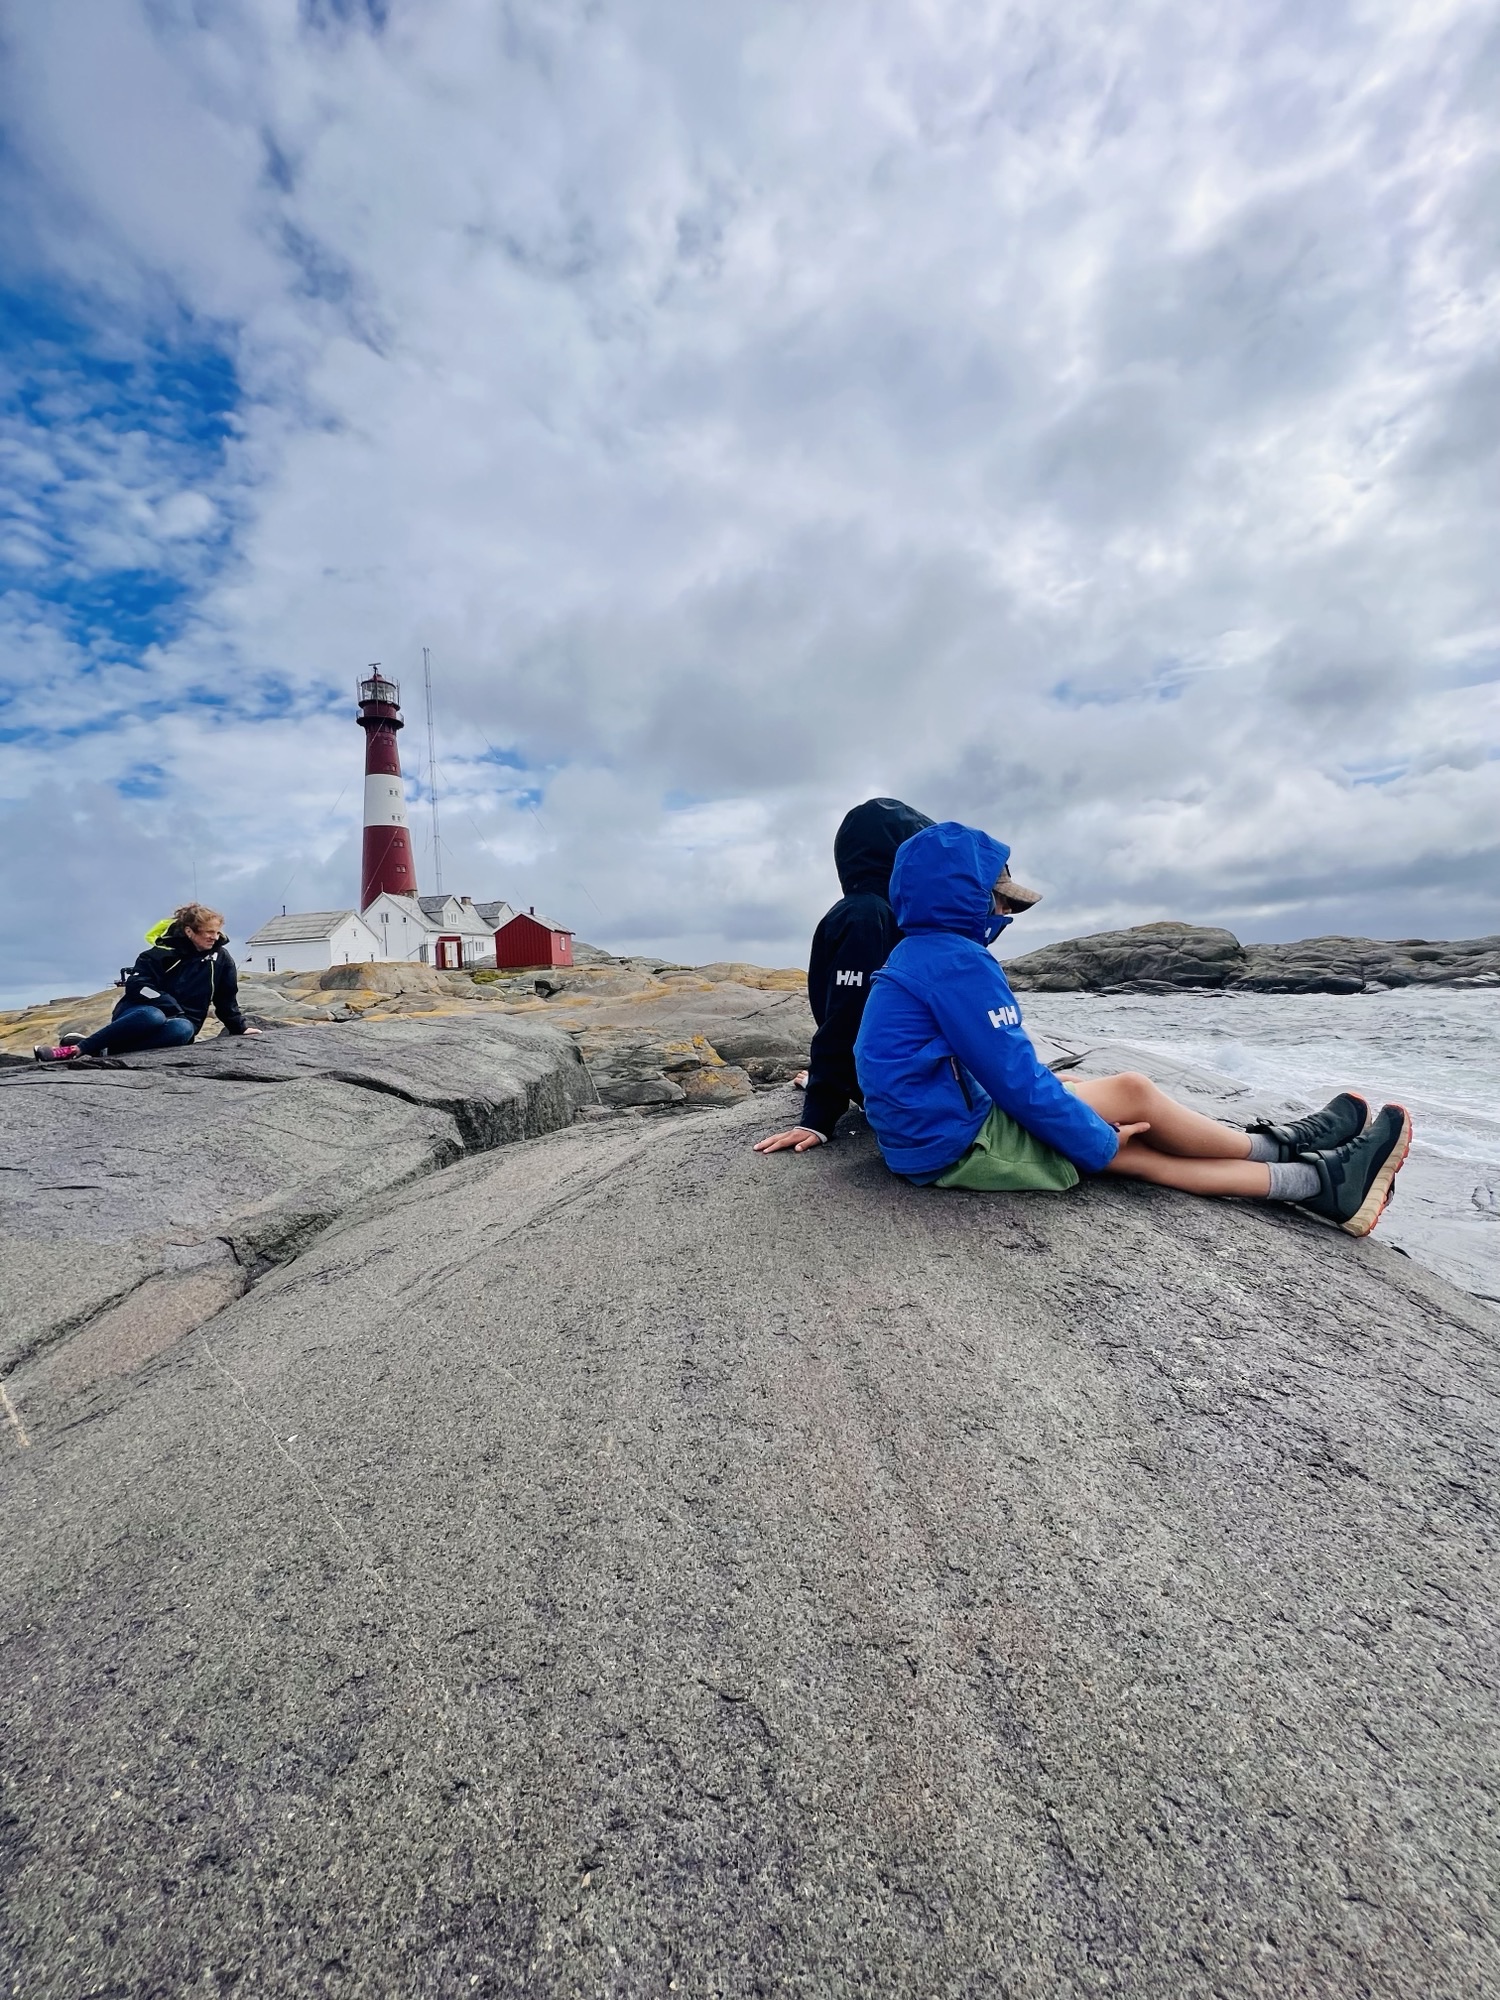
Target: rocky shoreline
{"type": "Point", "coordinates": [1180, 958]}
{"type": "Point", "coordinates": [650, 1033]}
{"type": "Point", "coordinates": [602, 998]}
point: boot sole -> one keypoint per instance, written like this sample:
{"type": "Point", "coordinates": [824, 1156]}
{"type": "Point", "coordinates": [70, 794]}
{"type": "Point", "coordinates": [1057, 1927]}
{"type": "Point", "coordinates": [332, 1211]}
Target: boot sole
{"type": "Point", "coordinates": [1378, 1194]}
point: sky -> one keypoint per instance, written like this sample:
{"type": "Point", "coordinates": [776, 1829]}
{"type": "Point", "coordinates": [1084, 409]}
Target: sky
{"type": "Point", "coordinates": [1082, 422]}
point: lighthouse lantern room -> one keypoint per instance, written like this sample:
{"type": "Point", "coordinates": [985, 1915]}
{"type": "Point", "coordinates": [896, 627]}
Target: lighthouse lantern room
{"type": "Point", "coordinates": [389, 867]}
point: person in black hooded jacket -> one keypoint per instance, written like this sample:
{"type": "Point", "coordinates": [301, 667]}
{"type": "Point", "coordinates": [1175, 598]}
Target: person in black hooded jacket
{"type": "Point", "coordinates": [184, 970]}
{"type": "Point", "coordinates": [849, 947]}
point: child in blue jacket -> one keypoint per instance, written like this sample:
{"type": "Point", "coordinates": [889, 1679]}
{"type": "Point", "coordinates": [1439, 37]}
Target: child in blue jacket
{"type": "Point", "coordinates": [958, 1097]}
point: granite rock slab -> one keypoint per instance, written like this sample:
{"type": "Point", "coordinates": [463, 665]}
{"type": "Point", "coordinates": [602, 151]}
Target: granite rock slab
{"type": "Point", "coordinates": [235, 1152]}
{"type": "Point", "coordinates": [623, 1564]}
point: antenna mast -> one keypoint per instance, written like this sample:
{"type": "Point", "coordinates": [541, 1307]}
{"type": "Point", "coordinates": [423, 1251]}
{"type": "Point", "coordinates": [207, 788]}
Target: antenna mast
{"type": "Point", "coordinates": [437, 852]}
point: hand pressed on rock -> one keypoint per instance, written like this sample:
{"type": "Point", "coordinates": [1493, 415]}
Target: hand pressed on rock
{"type": "Point", "coordinates": [800, 1139]}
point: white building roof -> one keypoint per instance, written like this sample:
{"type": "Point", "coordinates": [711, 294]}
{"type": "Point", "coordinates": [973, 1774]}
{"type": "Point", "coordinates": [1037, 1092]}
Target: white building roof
{"type": "Point", "coordinates": [304, 927]}
{"type": "Point", "coordinates": [441, 914]}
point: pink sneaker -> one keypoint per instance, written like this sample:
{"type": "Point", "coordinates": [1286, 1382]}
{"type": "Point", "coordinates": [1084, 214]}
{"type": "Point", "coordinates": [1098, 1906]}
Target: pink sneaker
{"type": "Point", "coordinates": [64, 1052]}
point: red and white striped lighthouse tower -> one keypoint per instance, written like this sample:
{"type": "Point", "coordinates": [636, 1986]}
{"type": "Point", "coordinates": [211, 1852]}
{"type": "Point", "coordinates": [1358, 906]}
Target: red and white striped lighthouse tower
{"type": "Point", "coordinates": [389, 867]}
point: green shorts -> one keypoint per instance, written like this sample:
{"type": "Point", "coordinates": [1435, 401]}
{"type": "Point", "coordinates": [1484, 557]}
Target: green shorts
{"type": "Point", "coordinates": [1004, 1156]}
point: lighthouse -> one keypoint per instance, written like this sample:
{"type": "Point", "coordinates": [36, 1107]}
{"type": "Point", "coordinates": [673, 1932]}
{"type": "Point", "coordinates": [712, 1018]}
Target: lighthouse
{"type": "Point", "coordinates": [389, 867]}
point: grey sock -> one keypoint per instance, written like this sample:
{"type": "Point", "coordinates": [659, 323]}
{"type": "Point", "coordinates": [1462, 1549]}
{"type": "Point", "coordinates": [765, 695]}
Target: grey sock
{"type": "Point", "coordinates": [1263, 1149]}
{"type": "Point", "coordinates": [1292, 1180]}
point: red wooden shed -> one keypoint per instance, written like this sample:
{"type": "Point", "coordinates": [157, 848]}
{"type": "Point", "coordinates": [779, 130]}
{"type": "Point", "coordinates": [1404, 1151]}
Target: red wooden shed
{"type": "Point", "coordinates": [531, 940]}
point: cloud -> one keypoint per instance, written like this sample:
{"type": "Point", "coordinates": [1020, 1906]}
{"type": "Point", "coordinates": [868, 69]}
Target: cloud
{"type": "Point", "coordinates": [1086, 425]}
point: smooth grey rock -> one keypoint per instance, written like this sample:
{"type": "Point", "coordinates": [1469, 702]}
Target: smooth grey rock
{"type": "Point", "coordinates": [641, 1090]}
{"type": "Point", "coordinates": [1346, 965]}
{"type": "Point", "coordinates": [258, 1142]}
{"type": "Point", "coordinates": [625, 1563]}
{"type": "Point", "coordinates": [751, 1042]}
{"type": "Point", "coordinates": [631, 1039]}
{"type": "Point", "coordinates": [610, 980]}
{"type": "Point", "coordinates": [1167, 955]}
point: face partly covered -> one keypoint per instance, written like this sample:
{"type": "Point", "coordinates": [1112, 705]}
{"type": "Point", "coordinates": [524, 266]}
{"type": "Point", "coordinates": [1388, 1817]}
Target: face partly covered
{"type": "Point", "coordinates": [1010, 898]}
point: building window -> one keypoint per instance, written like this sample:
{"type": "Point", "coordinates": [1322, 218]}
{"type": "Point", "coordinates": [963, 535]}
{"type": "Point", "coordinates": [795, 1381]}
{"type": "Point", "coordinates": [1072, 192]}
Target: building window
{"type": "Point", "coordinates": [270, 965]}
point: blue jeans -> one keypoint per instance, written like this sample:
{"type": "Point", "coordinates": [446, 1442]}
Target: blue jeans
{"type": "Point", "coordinates": [139, 1028]}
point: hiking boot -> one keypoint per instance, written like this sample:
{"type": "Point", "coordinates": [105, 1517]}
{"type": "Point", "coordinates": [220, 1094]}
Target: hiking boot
{"type": "Point", "coordinates": [64, 1052]}
{"type": "Point", "coordinates": [1342, 1118]}
{"type": "Point", "coordinates": [1356, 1177]}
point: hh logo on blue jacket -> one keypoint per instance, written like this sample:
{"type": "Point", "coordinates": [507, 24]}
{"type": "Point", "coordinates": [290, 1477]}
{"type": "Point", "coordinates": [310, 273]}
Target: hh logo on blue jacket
{"type": "Point", "coordinates": [928, 1069]}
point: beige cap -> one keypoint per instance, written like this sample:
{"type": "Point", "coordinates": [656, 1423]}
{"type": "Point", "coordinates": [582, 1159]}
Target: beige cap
{"type": "Point", "coordinates": [1016, 892]}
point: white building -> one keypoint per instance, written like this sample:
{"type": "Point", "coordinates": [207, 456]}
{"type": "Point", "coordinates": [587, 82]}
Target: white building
{"type": "Point", "coordinates": [312, 941]}
{"type": "Point", "coordinates": [449, 932]}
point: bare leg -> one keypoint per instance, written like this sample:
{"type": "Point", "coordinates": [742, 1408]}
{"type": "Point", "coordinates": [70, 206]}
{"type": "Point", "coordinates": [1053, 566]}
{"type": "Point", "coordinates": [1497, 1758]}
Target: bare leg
{"type": "Point", "coordinates": [1132, 1099]}
{"type": "Point", "coordinates": [1183, 1149]}
{"type": "Point", "coordinates": [1138, 1161]}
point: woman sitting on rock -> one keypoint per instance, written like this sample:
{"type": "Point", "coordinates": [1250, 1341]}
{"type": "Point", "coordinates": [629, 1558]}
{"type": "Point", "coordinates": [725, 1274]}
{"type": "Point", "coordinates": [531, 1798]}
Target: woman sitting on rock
{"type": "Point", "coordinates": [184, 970]}
{"type": "Point", "coordinates": [958, 1097]}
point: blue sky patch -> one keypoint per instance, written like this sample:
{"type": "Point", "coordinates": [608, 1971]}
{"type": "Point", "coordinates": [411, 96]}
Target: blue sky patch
{"type": "Point", "coordinates": [143, 781]}
{"type": "Point", "coordinates": [1167, 686]}
{"type": "Point", "coordinates": [508, 758]}
{"type": "Point", "coordinates": [114, 447]}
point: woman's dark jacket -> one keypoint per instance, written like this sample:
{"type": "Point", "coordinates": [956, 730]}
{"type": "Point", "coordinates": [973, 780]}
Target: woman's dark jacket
{"type": "Point", "coordinates": [849, 947]}
{"type": "Point", "coordinates": [179, 979]}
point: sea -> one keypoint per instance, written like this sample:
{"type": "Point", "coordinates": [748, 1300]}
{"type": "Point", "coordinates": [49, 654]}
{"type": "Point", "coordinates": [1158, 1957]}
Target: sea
{"type": "Point", "coordinates": [1437, 1051]}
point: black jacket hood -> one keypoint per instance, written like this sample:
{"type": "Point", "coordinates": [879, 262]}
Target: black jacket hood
{"type": "Point", "coordinates": [864, 848]}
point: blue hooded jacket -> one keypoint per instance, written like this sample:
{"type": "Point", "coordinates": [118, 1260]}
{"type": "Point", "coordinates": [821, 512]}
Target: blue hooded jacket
{"type": "Point", "coordinates": [942, 1037]}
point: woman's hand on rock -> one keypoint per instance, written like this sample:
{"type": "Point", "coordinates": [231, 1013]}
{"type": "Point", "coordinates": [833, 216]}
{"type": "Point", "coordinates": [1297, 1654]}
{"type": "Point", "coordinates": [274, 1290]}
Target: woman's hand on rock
{"type": "Point", "coordinates": [800, 1139]}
